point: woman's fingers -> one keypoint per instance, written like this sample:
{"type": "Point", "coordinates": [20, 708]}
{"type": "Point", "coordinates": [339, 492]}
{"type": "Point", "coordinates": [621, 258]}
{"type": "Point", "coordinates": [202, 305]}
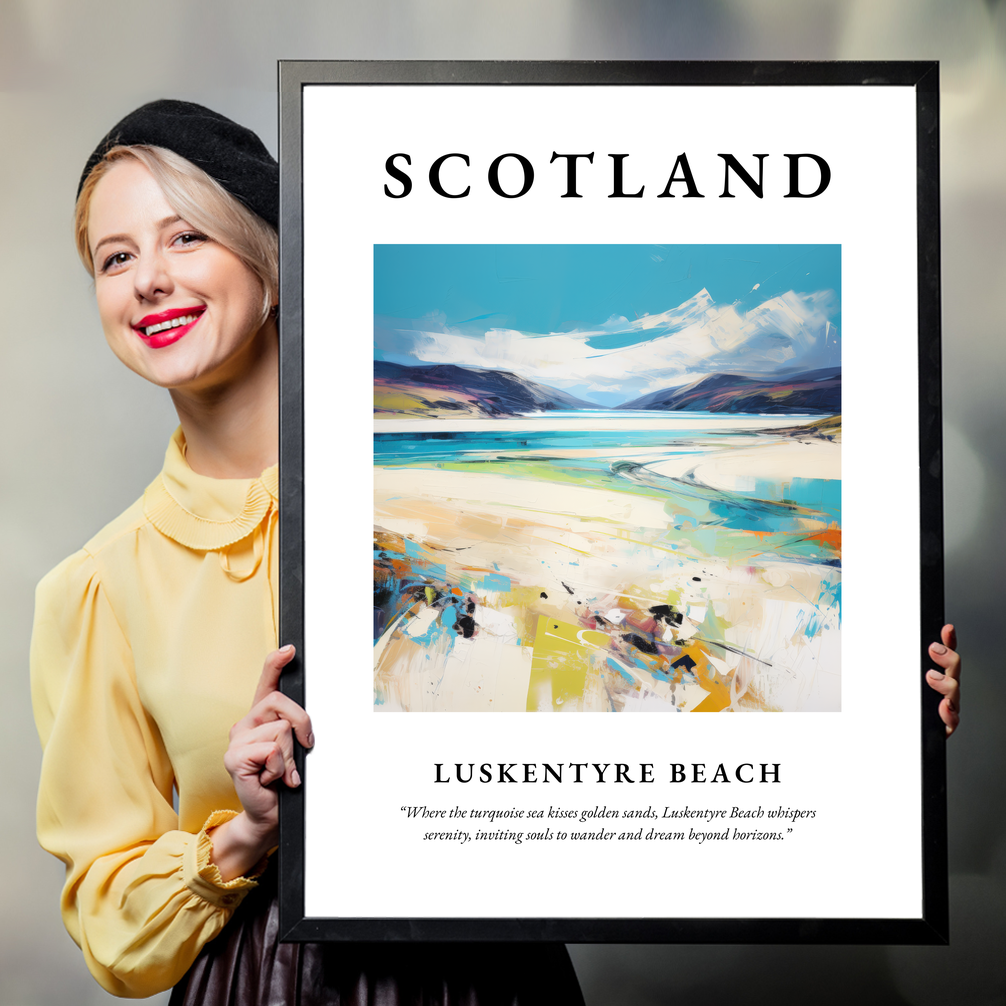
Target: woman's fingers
{"type": "Point", "coordinates": [278, 735]}
{"type": "Point", "coordinates": [949, 710]}
{"type": "Point", "coordinates": [261, 749]}
{"type": "Point", "coordinates": [949, 636]}
{"type": "Point", "coordinates": [947, 680]}
{"type": "Point", "coordinates": [947, 658]}
{"type": "Point", "coordinates": [947, 686]}
{"type": "Point", "coordinates": [277, 706]}
{"type": "Point", "coordinates": [950, 716]}
{"type": "Point", "coordinates": [271, 670]}
{"type": "Point", "coordinates": [261, 761]}
{"type": "Point", "coordinates": [274, 766]}
{"type": "Point", "coordinates": [270, 703]}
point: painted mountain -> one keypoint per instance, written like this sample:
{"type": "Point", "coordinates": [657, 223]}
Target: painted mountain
{"type": "Point", "coordinates": [445, 389]}
{"type": "Point", "coordinates": [814, 391]}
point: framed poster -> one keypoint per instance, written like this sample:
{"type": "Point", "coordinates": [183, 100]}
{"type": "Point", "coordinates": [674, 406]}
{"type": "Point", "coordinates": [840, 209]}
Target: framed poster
{"type": "Point", "coordinates": [651, 353]}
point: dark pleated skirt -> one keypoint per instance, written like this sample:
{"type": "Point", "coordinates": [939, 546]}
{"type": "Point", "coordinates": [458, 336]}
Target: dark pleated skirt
{"type": "Point", "coordinates": [246, 965]}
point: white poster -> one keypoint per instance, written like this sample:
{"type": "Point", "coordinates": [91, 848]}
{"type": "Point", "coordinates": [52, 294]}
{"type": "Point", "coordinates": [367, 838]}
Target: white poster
{"type": "Point", "coordinates": [641, 367]}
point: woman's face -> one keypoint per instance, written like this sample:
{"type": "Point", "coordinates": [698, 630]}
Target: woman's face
{"type": "Point", "coordinates": [177, 308]}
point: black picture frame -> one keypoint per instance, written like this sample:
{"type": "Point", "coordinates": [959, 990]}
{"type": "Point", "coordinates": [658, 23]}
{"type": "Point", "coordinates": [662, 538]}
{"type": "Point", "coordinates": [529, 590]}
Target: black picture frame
{"type": "Point", "coordinates": [931, 927]}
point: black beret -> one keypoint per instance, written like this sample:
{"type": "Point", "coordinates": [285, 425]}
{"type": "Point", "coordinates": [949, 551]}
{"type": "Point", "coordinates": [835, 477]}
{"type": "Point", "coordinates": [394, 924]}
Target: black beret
{"type": "Point", "coordinates": [231, 154]}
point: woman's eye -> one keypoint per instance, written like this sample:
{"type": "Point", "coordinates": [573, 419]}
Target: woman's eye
{"type": "Point", "coordinates": [114, 261]}
{"type": "Point", "coordinates": [190, 238]}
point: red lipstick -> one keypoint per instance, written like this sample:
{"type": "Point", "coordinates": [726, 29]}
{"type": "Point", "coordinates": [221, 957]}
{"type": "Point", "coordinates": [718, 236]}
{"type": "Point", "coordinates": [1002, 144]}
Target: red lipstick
{"type": "Point", "coordinates": [165, 333]}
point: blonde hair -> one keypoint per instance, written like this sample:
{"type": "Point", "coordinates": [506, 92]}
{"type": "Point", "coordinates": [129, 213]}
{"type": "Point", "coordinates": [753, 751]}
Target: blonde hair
{"type": "Point", "coordinates": [199, 200]}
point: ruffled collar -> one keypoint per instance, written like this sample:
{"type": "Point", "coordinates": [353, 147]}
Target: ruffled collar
{"type": "Point", "coordinates": [203, 513]}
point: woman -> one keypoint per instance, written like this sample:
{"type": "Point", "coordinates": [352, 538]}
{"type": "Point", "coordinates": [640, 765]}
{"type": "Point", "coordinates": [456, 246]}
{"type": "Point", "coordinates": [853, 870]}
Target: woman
{"type": "Point", "coordinates": [148, 643]}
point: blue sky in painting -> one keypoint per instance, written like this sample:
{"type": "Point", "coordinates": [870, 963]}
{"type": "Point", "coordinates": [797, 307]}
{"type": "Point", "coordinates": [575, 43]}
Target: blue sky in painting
{"type": "Point", "coordinates": [608, 322]}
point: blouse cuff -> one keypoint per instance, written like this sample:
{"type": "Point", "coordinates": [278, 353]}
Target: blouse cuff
{"type": "Point", "coordinates": [202, 876]}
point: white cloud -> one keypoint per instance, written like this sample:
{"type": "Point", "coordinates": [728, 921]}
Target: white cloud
{"type": "Point", "coordinates": [787, 333]}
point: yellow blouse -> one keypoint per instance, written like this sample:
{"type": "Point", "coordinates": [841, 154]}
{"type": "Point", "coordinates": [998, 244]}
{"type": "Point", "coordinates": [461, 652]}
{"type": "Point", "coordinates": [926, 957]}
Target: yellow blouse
{"type": "Point", "coordinates": [147, 647]}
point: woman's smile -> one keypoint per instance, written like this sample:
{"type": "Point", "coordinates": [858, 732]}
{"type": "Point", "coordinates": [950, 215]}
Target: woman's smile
{"type": "Point", "coordinates": [166, 327]}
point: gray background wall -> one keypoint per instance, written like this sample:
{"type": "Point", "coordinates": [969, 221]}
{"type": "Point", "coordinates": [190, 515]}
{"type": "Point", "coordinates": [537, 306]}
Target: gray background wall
{"type": "Point", "coordinates": [82, 436]}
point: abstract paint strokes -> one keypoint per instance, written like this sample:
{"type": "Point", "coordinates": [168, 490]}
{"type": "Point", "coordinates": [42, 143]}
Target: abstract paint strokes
{"type": "Point", "coordinates": [559, 527]}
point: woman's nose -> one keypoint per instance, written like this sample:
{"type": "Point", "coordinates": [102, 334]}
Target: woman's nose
{"type": "Point", "coordinates": [152, 277]}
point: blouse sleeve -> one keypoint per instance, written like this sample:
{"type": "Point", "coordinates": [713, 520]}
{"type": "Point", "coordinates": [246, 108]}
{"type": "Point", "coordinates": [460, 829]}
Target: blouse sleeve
{"type": "Point", "coordinates": [141, 898]}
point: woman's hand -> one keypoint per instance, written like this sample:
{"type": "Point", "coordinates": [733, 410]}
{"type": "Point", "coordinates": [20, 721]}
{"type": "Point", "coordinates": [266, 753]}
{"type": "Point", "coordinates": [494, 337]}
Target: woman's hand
{"type": "Point", "coordinates": [947, 682]}
{"type": "Point", "coordinates": [260, 753]}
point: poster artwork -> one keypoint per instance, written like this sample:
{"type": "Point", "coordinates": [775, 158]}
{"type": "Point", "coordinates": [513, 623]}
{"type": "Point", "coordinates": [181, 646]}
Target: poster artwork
{"type": "Point", "coordinates": [607, 477]}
